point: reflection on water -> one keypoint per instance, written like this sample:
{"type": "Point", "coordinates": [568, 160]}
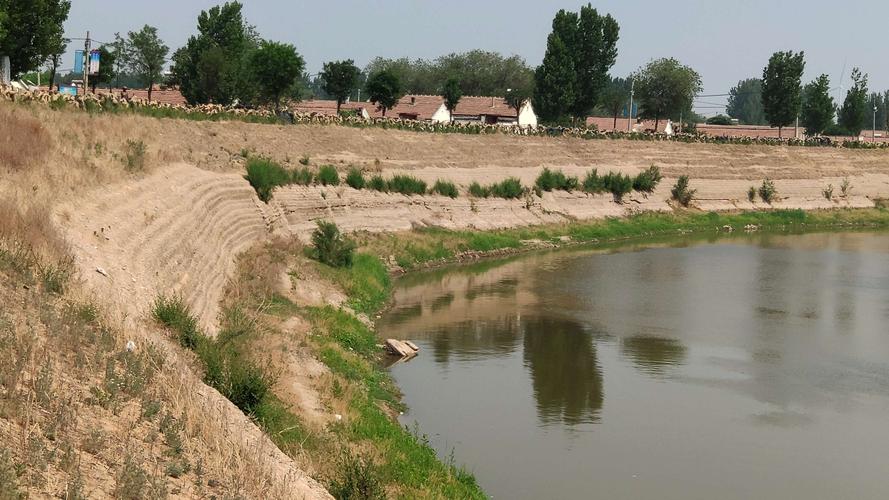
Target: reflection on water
{"type": "Point", "coordinates": [753, 366]}
{"type": "Point", "coordinates": [567, 380]}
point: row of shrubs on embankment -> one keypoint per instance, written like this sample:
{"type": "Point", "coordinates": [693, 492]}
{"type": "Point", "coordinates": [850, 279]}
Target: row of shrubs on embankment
{"type": "Point", "coordinates": [364, 452]}
{"type": "Point", "coordinates": [105, 103]}
{"type": "Point", "coordinates": [265, 175]}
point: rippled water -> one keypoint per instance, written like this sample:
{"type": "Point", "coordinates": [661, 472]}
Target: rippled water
{"type": "Point", "coordinates": [751, 367]}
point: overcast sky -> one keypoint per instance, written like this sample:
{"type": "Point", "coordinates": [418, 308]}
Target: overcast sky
{"type": "Point", "coordinates": [724, 40]}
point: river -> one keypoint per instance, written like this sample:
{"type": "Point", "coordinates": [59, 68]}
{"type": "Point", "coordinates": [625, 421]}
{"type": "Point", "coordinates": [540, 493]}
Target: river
{"type": "Point", "coordinates": [752, 366]}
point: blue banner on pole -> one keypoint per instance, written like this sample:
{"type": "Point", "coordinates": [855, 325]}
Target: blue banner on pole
{"type": "Point", "coordinates": [78, 62]}
{"type": "Point", "coordinates": [94, 62]}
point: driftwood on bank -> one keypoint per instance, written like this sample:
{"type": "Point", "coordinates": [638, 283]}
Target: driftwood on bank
{"type": "Point", "coordinates": [402, 348]}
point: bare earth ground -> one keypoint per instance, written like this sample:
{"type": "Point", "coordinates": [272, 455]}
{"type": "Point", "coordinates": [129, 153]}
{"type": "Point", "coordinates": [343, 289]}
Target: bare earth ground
{"type": "Point", "coordinates": [179, 221]}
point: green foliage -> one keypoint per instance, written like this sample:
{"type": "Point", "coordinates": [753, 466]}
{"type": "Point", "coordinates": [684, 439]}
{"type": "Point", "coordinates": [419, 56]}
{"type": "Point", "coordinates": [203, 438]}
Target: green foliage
{"type": "Point", "coordinates": [828, 192]}
{"type": "Point", "coordinates": [509, 188]}
{"type": "Point", "coordinates": [304, 160]}
{"type": "Point", "coordinates": [173, 313]}
{"type": "Point", "coordinates": [647, 180]}
{"type": "Point", "coordinates": [366, 283]}
{"type": "Point", "coordinates": [681, 193]}
{"type": "Point", "coordinates": [518, 95]}
{"type": "Point", "coordinates": [478, 191]}
{"type": "Point", "coordinates": [406, 184]}
{"type": "Point", "coordinates": [275, 69]}
{"type": "Point", "coordinates": [581, 50]}
{"type": "Point", "coordinates": [32, 31]}
{"type": "Point", "coordinates": [618, 185]}
{"type": "Point", "coordinates": [445, 188]}
{"type": "Point", "coordinates": [751, 194]}
{"type": "Point", "coordinates": [339, 78]}
{"type": "Point", "coordinates": [846, 187]}
{"type": "Point", "coordinates": [384, 89]}
{"type": "Point", "coordinates": [719, 120]}
{"type": "Point", "coordinates": [818, 107]}
{"type": "Point", "coordinates": [377, 183]}
{"type": "Point", "coordinates": [146, 55]}
{"type": "Point", "coordinates": [302, 176]}
{"type": "Point", "coordinates": [331, 247]}
{"type": "Point", "coordinates": [615, 97]}
{"type": "Point", "coordinates": [328, 176]}
{"type": "Point", "coordinates": [265, 175]}
{"type": "Point", "coordinates": [665, 88]}
{"type": "Point", "coordinates": [213, 66]}
{"type": "Point", "coordinates": [355, 179]}
{"type": "Point", "coordinates": [745, 102]}
{"type": "Point", "coordinates": [451, 94]}
{"type": "Point", "coordinates": [854, 113]}
{"type": "Point", "coordinates": [358, 479]}
{"type": "Point", "coordinates": [767, 191]}
{"type": "Point", "coordinates": [781, 92]}
{"type": "Point", "coordinates": [231, 373]}
{"type": "Point", "coordinates": [593, 183]}
{"type": "Point", "coordinates": [550, 180]}
{"type": "Point", "coordinates": [107, 65]}
{"type": "Point", "coordinates": [479, 73]}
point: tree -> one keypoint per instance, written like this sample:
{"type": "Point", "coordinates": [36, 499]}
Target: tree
{"type": "Point", "coordinates": [339, 78]}
{"type": "Point", "coordinates": [554, 93]}
{"type": "Point", "coordinates": [666, 88]}
{"type": "Point", "coordinates": [854, 113]}
{"type": "Point", "coordinates": [107, 64]}
{"type": "Point", "coordinates": [276, 68]}
{"type": "Point", "coordinates": [451, 94]}
{"type": "Point", "coordinates": [590, 42]}
{"type": "Point", "coordinates": [384, 90]}
{"type": "Point", "coordinates": [781, 88]}
{"type": "Point", "coordinates": [57, 48]}
{"type": "Point", "coordinates": [516, 97]}
{"type": "Point", "coordinates": [119, 49]}
{"type": "Point", "coordinates": [32, 31]}
{"type": "Point", "coordinates": [146, 55]}
{"type": "Point", "coordinates": [745, 102]}
{"type": "Point", "coordinates": [212, 67]}
{"type": "Point", "coordinates": [615, 97]}
{"type": "Point", "coordinates": [818, 107]}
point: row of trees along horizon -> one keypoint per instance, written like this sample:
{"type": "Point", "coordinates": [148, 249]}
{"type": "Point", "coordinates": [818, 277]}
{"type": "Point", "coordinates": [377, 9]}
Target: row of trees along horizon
{"type": "Point", "coordinates": [228, 62]}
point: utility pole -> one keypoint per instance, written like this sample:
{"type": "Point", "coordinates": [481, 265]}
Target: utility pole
{"type": "Point", "coordinates": [874, 132]}
{"type": "Point", "coordinates": [630, 110]}
{"type": "Point", "coordinates": [86, 64]}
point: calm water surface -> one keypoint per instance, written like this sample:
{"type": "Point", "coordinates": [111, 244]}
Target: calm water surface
{"type": "Point", "coordinates": [752, 367]}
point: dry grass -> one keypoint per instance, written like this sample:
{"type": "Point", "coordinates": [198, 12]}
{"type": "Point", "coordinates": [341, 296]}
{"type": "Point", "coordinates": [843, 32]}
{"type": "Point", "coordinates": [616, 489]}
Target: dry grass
{"type": "Point", "coordinates": [23, 140]}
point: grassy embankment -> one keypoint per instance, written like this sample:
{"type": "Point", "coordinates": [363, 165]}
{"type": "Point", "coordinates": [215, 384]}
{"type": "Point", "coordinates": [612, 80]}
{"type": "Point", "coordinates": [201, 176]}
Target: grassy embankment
{"type": "Point", "coordinates": [435, 246]}
{"type": "Point", "coordinates": [367, 450]}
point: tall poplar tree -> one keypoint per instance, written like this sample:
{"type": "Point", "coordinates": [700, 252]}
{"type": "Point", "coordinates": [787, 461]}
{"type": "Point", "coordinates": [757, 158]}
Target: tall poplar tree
{"type": "Point", "coordinates": [818, 107]}
{"type": "Point", "coordinates": [782, 88]}
{"type": "Point", "coordinates": [854, 114]}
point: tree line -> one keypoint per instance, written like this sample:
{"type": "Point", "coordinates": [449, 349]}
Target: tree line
{"type": "Point", "coordinates": [227, 61]}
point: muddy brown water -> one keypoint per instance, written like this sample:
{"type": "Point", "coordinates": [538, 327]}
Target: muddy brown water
{"type": "Point", "coordinates": [750, 367]}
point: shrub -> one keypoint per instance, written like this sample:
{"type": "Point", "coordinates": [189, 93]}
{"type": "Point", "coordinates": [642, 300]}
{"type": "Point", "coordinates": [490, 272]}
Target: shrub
{"type": "Point", "coordinates": [302, 176]}
{"type": "Point", "coordinates": [134, 159]}
{"type": "Point", "coordinates": [751, 194]}
{"type": "Point", "coordinates": [828, 192]}
{"type": "Point", "coordinates": [444, 188]}
{"type": "Point", "coordinates": [618, 185]}
{"type": "Point", "coordinates": [479, 191]}
{"type": "Point", "coordinates": [358, 479]}
{"type": "Point", "coordinates": [264, 175]}
{"type": "Point", "coordinates": [355, 179]}
{"type": "Point", "coordinates": [550, 180]}
{"type": "Point", "coordinates": [232, 374]}
{"type": "Point", "coordinates": [681, 193]}
{"type": "Point", "coordinates": [304, 160]}
{"type": "Point", "coordinates": [174, 314]}
{"type": "Point", "coordinates": [719, 120]}
{"type": "Point", "coordinates": [377, 183]}
{"type": "Point", "coordinates": [647, 180]}
{"type": "Point", "coordinates": [331, 246]}
{"type": "Point", "coordinates": [846, 187]}
{"type": "Point", "coordinates": [509, 188]}
{"type": "Point", "coordinates": [593, 183]}
{"type": "Point", "coordinates": [767, 191]}
{"type": "Point", "coordinates": [328, 176]}
{"type": "Point", "coordinates": [406, 184]}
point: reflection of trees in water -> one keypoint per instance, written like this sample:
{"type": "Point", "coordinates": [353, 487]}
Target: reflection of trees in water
{"type": "Point", "coordinates": [473, 339]}
{"type": "Point", "coordinates": [567, 380]}
{"type": "Point", "coordinates": [653, 355]}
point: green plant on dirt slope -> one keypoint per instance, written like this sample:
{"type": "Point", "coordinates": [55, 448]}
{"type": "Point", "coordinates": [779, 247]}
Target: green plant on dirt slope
{"type": "Point", "coordinates": [555, 180]}
{"type": "Point", "coordinates": [328, 176]}
{"type": "Point", "coordinates": [265, 175]}
{"type": "Point", "coordinates": [445, 188]}
{"type": "Point", "coordinates": [681, 193]}
{"type": "Point", "coordinates": [647, 180]}
{"type": "Point", "coordinates": [406, 184]}
{"type": "Point", "coordinates": [767, 191]}
{"type": "Point", "coordinates": [355, 179]}
{"type": "Point", "coordinates": [331, 247]}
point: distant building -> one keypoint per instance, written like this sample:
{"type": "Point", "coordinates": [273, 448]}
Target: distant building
{"type": "Point", "coordinates": [431, 108]}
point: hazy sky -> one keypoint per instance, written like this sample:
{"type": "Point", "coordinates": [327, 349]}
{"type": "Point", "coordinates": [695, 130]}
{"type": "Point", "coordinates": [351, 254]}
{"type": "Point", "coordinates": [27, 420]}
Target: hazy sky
{"type": "Point", "coordinates": [724, 40]}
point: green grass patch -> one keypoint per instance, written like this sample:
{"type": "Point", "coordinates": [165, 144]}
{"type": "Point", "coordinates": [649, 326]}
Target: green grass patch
{"type": "Point", "coordinates": [406, 184]}
{"type": "Point", "coordinates": [265, 175]}
{"type": "Point", "coordinates": [366, 283]}
{"type": "Point", "coordinates": [328, 176]}
{"type": "Point", "coordinates": [555, 180]}
{"type": "Point", "coordinates": [445, 188]}
{"type": "Point", "coordinates": [355, 179]}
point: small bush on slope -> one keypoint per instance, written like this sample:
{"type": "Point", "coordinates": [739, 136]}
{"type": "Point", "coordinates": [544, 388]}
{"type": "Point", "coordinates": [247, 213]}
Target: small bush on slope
{"type": "Point", "coordinates": [265, 175]}
{"type": "Point", "coordinates": [331, 247]}
{"type": "Point", "coordinates": [444, 188]}
{"type": "Point", "coordinates": [681, 193]}
{"type": "Point", "coordinates": [550, 180]}
{"type": "Point", "coordinates": [355, 179]}
{"type": "Point", "coordinates": [328, 176]}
